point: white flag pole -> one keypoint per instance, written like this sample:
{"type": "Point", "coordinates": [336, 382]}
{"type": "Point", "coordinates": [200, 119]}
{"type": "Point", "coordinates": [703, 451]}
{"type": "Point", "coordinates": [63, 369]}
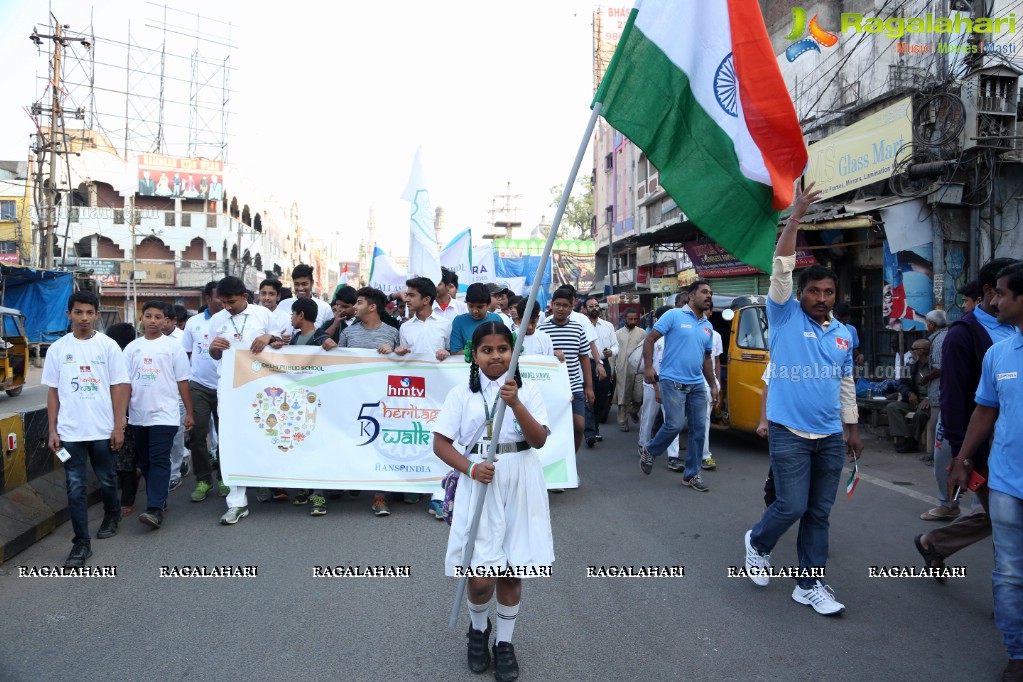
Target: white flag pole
{"type": "Point", "coordinates": [470, 541]}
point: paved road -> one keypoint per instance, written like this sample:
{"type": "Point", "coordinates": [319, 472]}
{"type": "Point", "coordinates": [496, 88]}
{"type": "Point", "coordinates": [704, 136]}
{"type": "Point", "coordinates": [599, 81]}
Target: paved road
{"type": "Point", "coordinates": [33, 396]}
{"type": "Point", "coordinates": [704, 626]}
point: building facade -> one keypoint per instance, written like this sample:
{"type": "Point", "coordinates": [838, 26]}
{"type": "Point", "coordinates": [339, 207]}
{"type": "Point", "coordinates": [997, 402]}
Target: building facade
{"type": "Point", "coordinates": [158, 227]}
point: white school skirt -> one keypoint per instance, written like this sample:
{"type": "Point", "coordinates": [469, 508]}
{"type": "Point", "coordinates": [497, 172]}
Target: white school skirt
{"type": "Point", "coordinates": [515, 527]}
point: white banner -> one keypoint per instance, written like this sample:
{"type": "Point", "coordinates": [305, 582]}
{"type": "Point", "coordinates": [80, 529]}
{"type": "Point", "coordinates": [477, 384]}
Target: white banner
{"type": "Point", "coordinates": [517, 285]}
{"type": "Point", "coordinates": [457, 257]}
{"type": "Point", "coordinates": [483, 268]}
{"type": "Point", "coordinates": [302, 417]}
{"type": "Point", "coordinates": [384, 274]}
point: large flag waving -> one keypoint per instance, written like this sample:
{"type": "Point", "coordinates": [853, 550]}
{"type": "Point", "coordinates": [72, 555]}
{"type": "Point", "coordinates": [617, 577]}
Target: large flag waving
{"type": "Point", "coordinates": [423, 254]}
{"type": "Point", "coordinates": [697, 87]}
{"type": "Point", "coordinates": [457, 257]}
{"type": "Point", "coordinates": [385, 275]}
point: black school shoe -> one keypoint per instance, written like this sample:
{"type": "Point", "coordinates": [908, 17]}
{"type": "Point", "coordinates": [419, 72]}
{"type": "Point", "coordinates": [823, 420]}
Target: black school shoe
{"type": "Point", "coordinates": [479, 652]}
{"type": "Point", "coordinates": [79, 553]}
{"type": "Point", "coordinates": [152, 518]}
{"type": "Point", "coordinates": [506, 668]}
{"type": "Point", "coordinates": [108, 528]}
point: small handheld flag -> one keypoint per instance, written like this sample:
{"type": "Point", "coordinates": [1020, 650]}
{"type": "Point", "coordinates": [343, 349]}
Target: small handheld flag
{"type": "Point", "coordinates": [854, 478]}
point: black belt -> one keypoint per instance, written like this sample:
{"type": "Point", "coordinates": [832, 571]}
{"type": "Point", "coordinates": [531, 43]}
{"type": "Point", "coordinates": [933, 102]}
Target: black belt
{"type": "Point", "coordinates": [504, 448]}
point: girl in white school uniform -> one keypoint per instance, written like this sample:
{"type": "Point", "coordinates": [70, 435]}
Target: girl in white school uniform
{"type": "Point", "coordinates": [515, 529]}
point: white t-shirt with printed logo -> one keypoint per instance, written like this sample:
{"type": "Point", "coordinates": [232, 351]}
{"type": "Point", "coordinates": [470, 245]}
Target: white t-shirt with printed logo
{"type": "Point", "coordinates": [155, 368]}
{"type": "Point", "coordinates": [241, 329]}
{"type": "Point", "coordinates": [83, 372]}
{"type": "Point", "coordinates": [196, 340]}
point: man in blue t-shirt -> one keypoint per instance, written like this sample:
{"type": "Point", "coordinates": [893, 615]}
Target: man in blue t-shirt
{"type": "Point", "coordinates": [685, 366]}
{"type": "Point", "coordinates": [1000, 409]}
{"type": "Point", "coordinates": [811, 404]}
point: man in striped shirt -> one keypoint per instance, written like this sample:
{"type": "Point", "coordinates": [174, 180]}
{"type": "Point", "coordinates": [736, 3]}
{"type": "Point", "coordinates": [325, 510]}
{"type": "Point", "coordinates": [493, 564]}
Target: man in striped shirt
{"type": "Point", "coordinates": [569, 336]}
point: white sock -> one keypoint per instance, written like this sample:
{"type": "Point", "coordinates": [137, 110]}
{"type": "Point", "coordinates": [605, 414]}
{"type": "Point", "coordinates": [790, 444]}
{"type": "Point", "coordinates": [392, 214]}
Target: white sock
{"type": "Point", "coordinates": [478, 614]}
{"type": "Point", "coordinates": [505, 622]}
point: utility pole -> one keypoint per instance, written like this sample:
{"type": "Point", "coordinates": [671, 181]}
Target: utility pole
{"type": "Point", "coordinates": [56, 116]}
{"type": "Point", "coordinates": [51, 213]}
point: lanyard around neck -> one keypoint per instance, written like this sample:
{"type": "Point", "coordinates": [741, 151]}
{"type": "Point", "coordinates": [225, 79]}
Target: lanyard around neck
{"type": "Point", "coordinates": [489, 411]}
{"type": "Point", "coordinates": [238, 333]}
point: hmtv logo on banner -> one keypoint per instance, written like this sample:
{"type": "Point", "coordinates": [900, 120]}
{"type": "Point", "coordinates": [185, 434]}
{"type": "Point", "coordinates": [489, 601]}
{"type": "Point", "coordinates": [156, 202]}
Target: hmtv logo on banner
{"type": "Point", "coordinates": [406, 387]}
{"type": "Point", "coordinates": [818, 36]}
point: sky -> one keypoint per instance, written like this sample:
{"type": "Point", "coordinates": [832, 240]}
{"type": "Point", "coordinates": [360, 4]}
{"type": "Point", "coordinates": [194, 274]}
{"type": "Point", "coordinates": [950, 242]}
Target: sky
{"type": "Point", "coordinates": [331, 101]}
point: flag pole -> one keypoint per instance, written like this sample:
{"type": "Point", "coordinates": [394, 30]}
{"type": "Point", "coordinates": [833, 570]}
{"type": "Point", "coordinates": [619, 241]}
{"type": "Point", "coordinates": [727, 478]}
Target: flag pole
{"type": "Point", "coordinates": [470, 541]}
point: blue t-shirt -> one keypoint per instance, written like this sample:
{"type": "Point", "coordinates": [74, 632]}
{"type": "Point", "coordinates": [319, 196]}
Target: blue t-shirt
{"type": "Point", "coordinates": [854, 334]}
{"type": "Point", "coordinates": [807, 366]}
{"type": "Point", "coordinates": [462, 328]}
{"type": "Point", "coordinates": [1001, 386]}
{"type": "Point", "coordinates": [998, 331]}
{"type": "Point", "coordinates": [687, 341]}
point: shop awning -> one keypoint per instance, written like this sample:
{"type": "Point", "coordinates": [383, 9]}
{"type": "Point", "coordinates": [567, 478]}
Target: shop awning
{"type": "Point", "coordinates": [849, 215]}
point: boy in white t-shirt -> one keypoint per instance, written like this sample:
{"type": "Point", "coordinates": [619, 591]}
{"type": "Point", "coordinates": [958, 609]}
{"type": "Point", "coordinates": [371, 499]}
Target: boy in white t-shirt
{"type": "Point", "coordinates": [87, 409]}
{"type": "Point", "coordinates": [536, 342]}
{"type": "Point", "coordinates": [244, 326]}
{"type": "Point", "coordinates": [159, 372]}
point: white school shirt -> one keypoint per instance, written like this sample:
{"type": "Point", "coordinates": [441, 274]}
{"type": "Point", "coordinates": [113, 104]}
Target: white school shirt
{"type": "Point", "coordinates": [427, 336]}
{"type": "Point", "coordinates": [249, 324]}
{"type": "Point", "coordinates": [606, 338]}
{"type": "Point", "coordinates": [196, 341]}
{"type": "Point", "coordinates": [83, 372]}
{"type": "Point", "coordinates": [454, 309]}
{"type": "Point", "coordinates": [177, 334]}
{"type": "Point", "coordinates": [537, 343]}
{"type": "Point", "coordinates": [281, 316]}
{"type": "Point", "coordinates": [155, 368]}
{"type": "Point", "coordinates": [463, 414]}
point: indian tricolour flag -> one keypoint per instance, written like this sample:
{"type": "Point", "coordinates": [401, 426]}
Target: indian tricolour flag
{"type": "Point", "coordinates": [854, 478]}
{"type": "Point", "coordinates": [696, 86]}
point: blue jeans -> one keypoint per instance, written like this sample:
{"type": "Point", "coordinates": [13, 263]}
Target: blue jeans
{"type": "Point", "coordinates": [682, 403]}
{"type": "Point", "coordinates": [152, 451]}
{"type": "Point", "coordinates": [806, 476]}
{"type": "Point", "coordinates": [1007, 578]}
{"type": "Point", "coordinates": [76, 470]}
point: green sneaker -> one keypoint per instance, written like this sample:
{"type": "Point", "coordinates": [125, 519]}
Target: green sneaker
{"type": "Point", "coordinates": [201, 490]}
{"type": "Point", "coordinates": [302, 497]}
{"type": "Point", "coordinates": [319, 505]}
{"type": "Point", "coordinates": [223, 489]}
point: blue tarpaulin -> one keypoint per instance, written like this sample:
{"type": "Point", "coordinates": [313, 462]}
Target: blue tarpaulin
{"type": "Point", "coordinates": [42, 296]}
{"type": "Point", "coordinates": [526, 266]}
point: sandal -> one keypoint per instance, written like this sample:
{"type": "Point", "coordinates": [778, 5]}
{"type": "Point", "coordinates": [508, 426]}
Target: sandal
{"type": "Point", "coordinates": [931, 558]}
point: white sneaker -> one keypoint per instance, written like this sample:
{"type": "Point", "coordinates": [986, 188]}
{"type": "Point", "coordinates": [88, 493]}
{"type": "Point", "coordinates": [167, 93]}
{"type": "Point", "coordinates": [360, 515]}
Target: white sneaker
{"type": "Point", "coordinates": [758, 566]}
{"type": "Point", "coordinates": [233, 515]}
{"type": "Point", "coordinates": [820, 597]}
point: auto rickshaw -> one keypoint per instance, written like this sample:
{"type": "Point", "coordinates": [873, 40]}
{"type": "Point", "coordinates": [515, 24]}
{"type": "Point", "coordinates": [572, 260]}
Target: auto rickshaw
{"type": "Point", "coordinates": [742, 323]}
{"type": "Point", "coordinates": [13, 351]}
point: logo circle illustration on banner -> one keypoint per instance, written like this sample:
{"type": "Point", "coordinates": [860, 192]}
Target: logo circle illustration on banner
{"type": "Point", "coordinates": [287, 418]}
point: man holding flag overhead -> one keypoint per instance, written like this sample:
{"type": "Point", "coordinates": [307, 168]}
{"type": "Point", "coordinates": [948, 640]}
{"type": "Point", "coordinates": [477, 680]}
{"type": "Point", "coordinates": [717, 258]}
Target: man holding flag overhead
{"type": "Point", "coordinates": [812, 394]}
